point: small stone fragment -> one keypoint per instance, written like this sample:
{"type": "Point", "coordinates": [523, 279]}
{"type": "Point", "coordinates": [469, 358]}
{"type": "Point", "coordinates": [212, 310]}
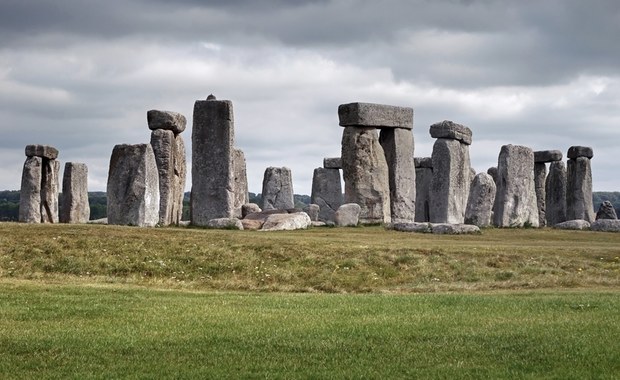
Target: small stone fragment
{"type": "Point", "coordinates": [348, 215]}
{"type": "Point", "coordinates": [249, 208]}
{"type": "Point", "coordinates": [313, 211]}
{"type": "Point", "coordinates": [606, 211]}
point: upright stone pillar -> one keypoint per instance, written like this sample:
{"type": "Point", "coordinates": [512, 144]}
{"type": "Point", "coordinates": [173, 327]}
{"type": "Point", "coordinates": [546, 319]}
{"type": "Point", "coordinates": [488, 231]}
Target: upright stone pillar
{"type": "Point", "coordinates": [365, 172]}
{"type": "Point", "coordinates": [579, 204]}
{"type": "Point", "coordinates": [133, 186]}
{"type": "Point", "coordinates": [213, 184]}
{"type": "Point", "coordinates": [451, 172]}
{"type": "Point", "coordinates": [327, 191]}
{"type": "Point", "coordinates": [515, 204]}
{"type": "Point", "coordinates": [541, 158]}
{"type": "Point", "coordinates": [555, 189]}
{"type": "Point", "coordinates": [39, 193]}
{"type": "Point", "coordinates": [75, 207]}
{"type": "Point", "coordinates": [278, 189]}
{"type": "Point", "coordinates": [240, 182]}
{"type": "Point", "coordinates": [30, 194]}
{"type": "Point", "coordinates": [481, 200]}
{"type": "Point", "coordinates": [423, 178]}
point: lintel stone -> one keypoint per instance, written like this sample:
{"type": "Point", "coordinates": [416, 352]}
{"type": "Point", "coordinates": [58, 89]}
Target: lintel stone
{"type": "Point", "coordinates": [580, 151]}
{"type": "Point", "coordinates": [450, 130]}
{"type": "Point", "coordinates": [375, 115]}
{"type": "Point", "coordinates": [44, 151]}
{"type": "Point", "coordinates": [543, 156]}
{"type": "Point", "coordinates": [332, 163]}
{"type": "Point", "coordinates": [168, 120]}
{"type": "Point", "coordinates": [423, 162]}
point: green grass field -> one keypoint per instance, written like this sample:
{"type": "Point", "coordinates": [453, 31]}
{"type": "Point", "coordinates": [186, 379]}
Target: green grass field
{"type": "Point", "coordinates": [120, 302]}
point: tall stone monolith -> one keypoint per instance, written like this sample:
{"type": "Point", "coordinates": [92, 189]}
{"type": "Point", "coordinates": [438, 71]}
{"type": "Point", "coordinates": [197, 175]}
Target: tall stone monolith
{"type": "Point", "coordinates": [213, 182]}
{"type": "Point", "coordinates": [278, 189]}
{"type": "Point", "coordinates": [555, 190]}
{"type": "Point", "coordinates": [515, 204]}
{"type": "Point", "coordinates": [540, 178]}
{"type": "Point", "coordinates": [240, 182]}
{"type": "Point", "coordinates": [423, 178]}
{"type": "Point", "coordinates": [579, 204]}
{"type": "Point", "coordinates": [75, 207]}
{"type": "Point", "coordinates": [326, 193]}
{"type": "Point", "coordinates": [39, 193]}
{"type": "Point", "coordinates": [398, 146]}
{"type": "Point", "coordinates": [481, 199]}
{"type": "Point", "coordinates": [133, 186]}
{"type": "Point", "coordinates": [30, 194]}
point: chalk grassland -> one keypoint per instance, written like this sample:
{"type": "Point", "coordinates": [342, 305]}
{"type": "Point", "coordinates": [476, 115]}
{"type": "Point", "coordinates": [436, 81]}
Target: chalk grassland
{"type": "Point", "coordinates": [358, 260]}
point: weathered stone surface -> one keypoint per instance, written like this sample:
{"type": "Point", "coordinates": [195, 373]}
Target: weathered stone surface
{"type": "Point", "coordinates": [423, 162]}
{"type": "Point", "coordinates": [573, 225]}
{"type": "Point", "coordinates": [579, 204]}
{"type": "Point", "coordinates": [606, 225]}
{"type": "Point", "coordinates": [492, 171]}
{"type": "Point", "coordinates": [30, 194]}
{"type": "Point", "coordinates": [543, 156]}
{"type": "Point", "coordinates": [277, 189]}
{"type": "Point", "coordinates": [454, 229]}
{"type": "Point", "coordinates": [225, 224]}
{"type": "Point", "coordinates": [450, 184]}
{"type": "Point", "coordinates": [348, 215]}
{"type": "Point", "coordinates": [450, 130]}
{"type": "Point", "coordinates": [540, 178]}
{"type": "Point", "coordinates": [375, 115]}
{"type": "Point", "coordinates": [282, 222]}
{"type": "Point", "coordinates": [481, 200]}
{"type": "Point", "coordinates": [133, 186]}
{"type": "Point", "coordinates": [49, 191]}
{"type": "Point", "coordinates": [249, 208]}
{"type": "Point", "coordinates": [98, 221]}
{"type": "Point", "coordinates": [313, 211]}
{"type": "Point", "coordinates": [398, 146]}
{"type": "Point", "coordinates": [240, 181]}
{"type": "Point", "coordinates": [213, 187]}
{"type": "Point", "coordinates": [316, 223]}
{"type": "Point", "coordinates": [263, 215]}
{"type": "Point", "coordinates": [580, 151]}
{"type": "Point", "coordinates": [412, 227]}
{"type": "Point", "coordinates": [332, 163]}
{"type": "Point", "coordinates": [606, 211]}
{"type": "Point", "coordinates": [252, 224]}
{"type": "Point", "coordinates": [326, 192]}
{"type": "Point", "coordinates": [365, 171]}
{"type": "Point", "coordinates": [180, 177]}
{"type": "Point", "coordinates": [164, 148]}
{"type": "Point", "coordinates": [555, 190]}
{"type": "Point", "coordinates": [472, 174]}
{"type": "Point", "coordinates": [75, 207]}
{"type": "Point", "coordinates": [168, 120]}
{"type": "Point", "coordinates": [515, 204]}
{"type": "Point", "coordinates": [423, 178]}
{"type": "Point", "coordinates": [43, 151]}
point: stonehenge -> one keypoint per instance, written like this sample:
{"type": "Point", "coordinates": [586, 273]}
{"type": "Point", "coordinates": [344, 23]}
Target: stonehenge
{"type": "Point", "coordinates": [423, 177]}
{"type": "Point", "coordinates": [541, 158]}
{"type": "Point", "coordinates": [555, 193]}
{"type": "Point", "coordinates": [579, 184]}
{"type": "Point", "coordinates": [38, 202]}
{"type": "Point", "coordinates": [278, 189]}
{"type": "Point", "coordinates": [326, 189]}
{"type": "Point", "coordinates": [75, 207]}
{"type": "Point", "coordinates": [481, 199]}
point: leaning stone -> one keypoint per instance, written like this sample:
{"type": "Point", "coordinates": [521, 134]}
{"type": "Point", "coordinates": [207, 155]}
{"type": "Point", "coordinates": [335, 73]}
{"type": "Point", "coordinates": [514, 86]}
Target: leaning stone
{"type": "Point", "coordinates": [30, 194]}
{"type": "Point", "coordinates": [284, 222]}
{"type": "Point", "coordinates": [43, 151]}
{"type": "Point", "coordinates": [481, 200]}
{"type": "Point", "coordinates": [423, 178]}
{"type": "Point", "coordinates": [49, 191]}
{"type": "Point", "coordinates": [213, 194]}
{"type": "Point", "coordinates": [75, 207]}
{"type": "Point", "coordinates": [580, 151]}
{"type": "Point", "coordinates": [332, 163]}
{"type": "Point", "coordinates": [365, 172]}
{"type": "Point", "coordinates": [375, 115]}
{"type": "Point", "coordinates": [412, 227]}
{"type": "Point", "coordinates": [423, 162]}
{"type": "Point", "coordinates": [348, 215]}
{"type": "Point", "coordinates": [454, 229]}
{"type": "Point", "coordinates": [555, 192]}
{"type": "Point", "coordinates": [543, 156]}
{"type": "Point", "coordinates": [540, 178]}
{"type": "Point", "coordinates": [240, 181]}
{"type": "Point", "coordinates": [450, 130]}
{"type": "Point", "coordinates": [225, 224]}
{"type": "Point", "coordinates": [606, 225]}
{"type": "Point", "coordinates": [133, 186]}
{"type": "Point", "coordinates": [326, 192]}
{"type": "Point", "coordinates": [249, 208]}
{"type": "Point", "coordinates": [515, 204]}
{"type": "Point", "coordinates": [606, 211]}
{"type": "Point", "coordinates": [277, 189]}
{"type": "Point", "coordinates": [579, 204]}
{"type": "Point", "coordinates": [398, 147]}
{"type": "Point", "coordinates": [168, 120]}
{"type": "Point", "coordinates": [313, 211]}
{"type": "Point", "coordinates": [578, 224]}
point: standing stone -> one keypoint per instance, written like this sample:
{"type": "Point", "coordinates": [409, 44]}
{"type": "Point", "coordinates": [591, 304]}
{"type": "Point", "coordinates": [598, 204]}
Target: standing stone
{"type": "Point", "coordinates": [515, 204]}
{"type": "Point", "coordinates": [49, 191]}
{"type": "Point", "coordinates": [30, 194]}
{"type": "Point", "coordinates": [326, 192]}
{"type": "Point", "coordinates": [213, 187]}
{"type": "Point", "coordinates": [606, 211]}
{"type": "Point", "coordinates": [365, 172]}
{"type": "Point", "coordinates": [579, 204]}
{"type": "Point", "coordinates": [164, 147]}
{"type": "Point", "coordinates": [133, 186]}
{"type": "Point", "coordinates": [313, 211]}
{"type": "Point", "coordinates": [180, 178]}
{"type": "Point", "coordinates": [240, 182]}
{"type": "Point", "coordinates": [278, 189]}
{"type": "Point", "coordinates": [540, 178]}
{"type": "Point", "coordinates": [398, 146]}
{"type": "Point", "coordinates": [481, 200]}
{"type": "Point", "coordinates": [75, 207]}
{"type": "Point", "coordinates": [451, 181]}
{"type": "Point", "coordinates": [555, 190]}
{"type": "Point", "coordinates": [423, 178]}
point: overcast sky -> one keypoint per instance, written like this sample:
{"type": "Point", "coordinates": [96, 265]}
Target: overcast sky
{"type": "Point", "coordinates": [80, 75]}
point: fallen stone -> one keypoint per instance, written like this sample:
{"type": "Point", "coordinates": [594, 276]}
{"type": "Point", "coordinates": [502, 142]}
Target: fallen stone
{"type": "Point", "coordinates": [606, 211]}
{"type": "Point", "coordinates": [450, 184]}
{"type": "Point", "coordinates": [454, 229]}
{"type": "Point", "coordinates": [606, 225]}
{"type": "Point", "coordinates": [277, 189]}
{"type": "Point", "coordinates": [348, 215]}
{"type": "Point", "coordinates": [326, 192]}
{"type": "Point", "coordinates": [375, 115]}
{"type": "Point", "coordinates": [412, 227]}
{"type": "Point", "coordinates": [313, 211]}
{"type": "Point", "coordinates": [332, 163]}
{"type": "Point", "coordinates": [98, 221]}
{"type": "Point", "coordinates": [573, 225]}
{"type": "Point", "coordinates": [423, 162]}
{"type": "Point", "coordinates": [398, 147]}
{"type": "Point", "coordinates": [580, 151]}
{"type": "Point", "coordinates": [43, 151]}
{"type": "Point", "coordinates": [481, 200]}
{"type": "Point", "coordinates": [251, 224]}
{"type": "Point", "coordinates": [318, 224]}
{"type": "Point", "coordinates": [579, 204]}
{"type": "Point", "coordinates": [225, 224]}
{"type": "Point", "coordinates": [543, 156]}
{"type": "Point", "coordinates": [249, 208]}
{"type": "Point", "coordinates": [75, 207]}
{"type": "Point", "coordinates": [167, 120]}
{"type": "Point", "coordinates": [30, 193]}
{"type": "Point", "coordinates": [284, 222]}
{"type": "Point", "coordinates": [450, 130]}
{"type": "Point", "coordinates": [555, 192]}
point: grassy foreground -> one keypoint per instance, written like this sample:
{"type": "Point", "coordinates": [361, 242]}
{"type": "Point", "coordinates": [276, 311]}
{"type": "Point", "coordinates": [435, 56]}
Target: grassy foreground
{"type": "Point", "coordinates": [113, 331]}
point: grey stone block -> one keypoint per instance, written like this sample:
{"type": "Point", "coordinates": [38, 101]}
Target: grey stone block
{"type": "Point", "coordinates": [375, 115]}
{"type": "Point", "coordinates": [450, 130]}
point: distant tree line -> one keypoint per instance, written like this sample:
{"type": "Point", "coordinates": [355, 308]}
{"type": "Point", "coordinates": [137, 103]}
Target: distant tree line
{"type": "Point", "coordinates": [9, 203]}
